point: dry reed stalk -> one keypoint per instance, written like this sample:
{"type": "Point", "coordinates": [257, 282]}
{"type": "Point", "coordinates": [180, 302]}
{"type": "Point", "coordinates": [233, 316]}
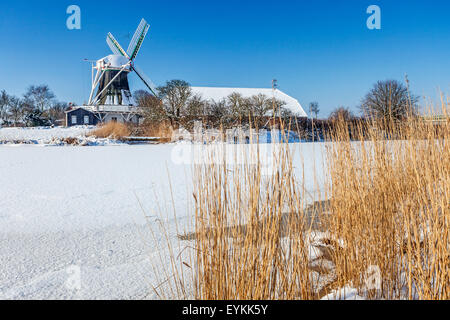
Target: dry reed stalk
{"type": "Point", "coordinates": [389, 208]}
{"type": "Point", "coordinates": [114, 130]}
{"type": "Point", "coordinates": [390, 204]}
{"type": "Point", "coordinates": [250, 230]}
{"type": "Point", "coordinates": [161, 130]}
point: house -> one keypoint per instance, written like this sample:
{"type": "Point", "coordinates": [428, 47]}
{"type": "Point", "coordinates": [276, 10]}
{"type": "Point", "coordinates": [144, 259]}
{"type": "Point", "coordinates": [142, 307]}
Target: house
{"type": "Point", "coordinates": [79, 117]}
{"type": "Point", "coordinates": [93, 115]}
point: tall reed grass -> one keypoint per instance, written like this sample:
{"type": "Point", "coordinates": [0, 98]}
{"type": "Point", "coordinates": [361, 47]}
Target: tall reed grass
{"type": "Point", "coordinates": [162, 130]}
{"type": "Point", "coordinates": [390, 204]}
{"type": "Point", "coordinates": [385, 227]}
{"type": "Point", "coordinates": [113, 129]}
{"type": "Point", "coordinates": [249, 231]}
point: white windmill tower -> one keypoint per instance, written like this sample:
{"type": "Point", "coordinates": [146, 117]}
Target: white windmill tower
{"type": "Point", "coordinates": [110, 86]}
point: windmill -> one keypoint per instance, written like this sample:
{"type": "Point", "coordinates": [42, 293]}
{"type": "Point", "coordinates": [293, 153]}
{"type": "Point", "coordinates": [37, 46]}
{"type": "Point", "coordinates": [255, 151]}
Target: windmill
{"type": "Point", "coordinates": [110, 84]}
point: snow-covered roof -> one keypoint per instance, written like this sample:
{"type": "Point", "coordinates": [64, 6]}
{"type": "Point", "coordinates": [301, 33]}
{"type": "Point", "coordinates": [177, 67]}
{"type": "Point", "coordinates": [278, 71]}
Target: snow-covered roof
{"type": "Point", "coordinates": [113, 61]}
{"type": "Point", "coordinates": [217, 94]}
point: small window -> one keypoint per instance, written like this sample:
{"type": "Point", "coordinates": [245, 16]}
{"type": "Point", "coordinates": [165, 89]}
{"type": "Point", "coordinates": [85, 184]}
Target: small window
{"type": "Point", "coordinates": [86, 119]}
{"type": "Point", "coordinates": [74, 120]}
{"type": "Point", "coordinates": [114, 119]}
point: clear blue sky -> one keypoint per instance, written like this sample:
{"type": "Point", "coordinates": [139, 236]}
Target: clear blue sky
{"type": "Point", "coordinates": [318, 50]}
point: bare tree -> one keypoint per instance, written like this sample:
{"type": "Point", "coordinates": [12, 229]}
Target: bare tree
{"type": "Point", "coordinates": [40, 97]}
{"type": "Point", "coordinates": [140, 95]}
{"type": "Point", "coordinates": [175, 95]}
{"type": "Point", "coordinates": [4, 106]}
{"type": "Point", "coordinates": [314, 109]}
{"type": "Point", "coordinates": [280, 110]}
{"type": "Point", "coordinates": [27, 110]}
{"type": "Point", "coordinates": [55, 113]}
{"type": "Point", "coordinates": [219, 112]}
{"type": "Point", "coordinates": [239, 107]}
{"type": "Point", "coordinates": [389, 100]}
{"type": "Point", "coordinates": [196, 107]}
{"type": "Point", "coordinates": [259, 106]}
{"type": "Point", "coordinates": [153, 110]}
{"type": "Point", "coordinates": [286, 114]}
{"type": "Point", "coordinates": [195, 110]}
{"type": "Point", "coordinates": [342, 114]}
{"type": "Point", "coordinates": [15, 109]}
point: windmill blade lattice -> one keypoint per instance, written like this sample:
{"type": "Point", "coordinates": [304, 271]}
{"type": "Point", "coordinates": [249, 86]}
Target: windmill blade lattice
{"type": "Point", "coordinates": [138, 39]}
{"type": "Point", "coordinates": [115, 47]}
{"type": "Point", "coordinates": [149, 83]}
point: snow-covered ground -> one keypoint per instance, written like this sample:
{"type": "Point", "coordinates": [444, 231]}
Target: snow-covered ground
{"type": "Point", "coordinates": [43, 133]}
{"type": "Point", "coordinates": [75, 206]}
{"type": "Point", "coordinates": [57, 136]}
{"type": "Point", "coordinates": [87, 218]}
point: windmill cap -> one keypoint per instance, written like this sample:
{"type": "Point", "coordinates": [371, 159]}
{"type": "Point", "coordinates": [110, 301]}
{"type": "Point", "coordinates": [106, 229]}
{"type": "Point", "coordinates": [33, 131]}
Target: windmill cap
{"type": "Point", "coordinates": [113, 61]}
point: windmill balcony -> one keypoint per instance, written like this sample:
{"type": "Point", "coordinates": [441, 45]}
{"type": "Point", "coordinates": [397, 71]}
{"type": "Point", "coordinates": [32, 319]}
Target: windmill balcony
{"type": "Point", "coordinates": [115, 108]}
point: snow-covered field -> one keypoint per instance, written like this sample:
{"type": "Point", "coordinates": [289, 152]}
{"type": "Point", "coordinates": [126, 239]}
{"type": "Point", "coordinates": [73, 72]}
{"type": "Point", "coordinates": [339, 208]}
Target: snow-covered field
{"type": "Point", "coordinates": [47, 136]}
{"type": "Point", "coordinates": [43, 133]}
{"type": "Point", "coordinates": [82, 217]}
{"type": "Point", "coordinates": [78, 206]}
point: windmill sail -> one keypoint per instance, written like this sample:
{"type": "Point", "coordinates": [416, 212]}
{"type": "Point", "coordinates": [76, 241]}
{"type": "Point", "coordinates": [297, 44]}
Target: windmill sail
{"type": "Point", "coordinates": [112, 71]}
{"type": "Point", "coordinates": [115, 46]}
{"type": "Point", "coordinates": [138, 38]}
{"type": "Point", "coordinates": [149, 83]}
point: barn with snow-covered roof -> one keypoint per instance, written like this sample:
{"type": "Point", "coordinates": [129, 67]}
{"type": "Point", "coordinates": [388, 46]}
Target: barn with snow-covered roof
{"type": "Point", "coordinates": [217, 94]}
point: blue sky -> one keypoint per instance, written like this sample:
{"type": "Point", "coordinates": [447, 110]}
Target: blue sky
{"type": "Point", "coordinates": [317, 50]}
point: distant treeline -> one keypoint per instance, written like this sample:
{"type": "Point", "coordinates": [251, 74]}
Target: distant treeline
{"type": "Point", "coordinates": [37, 107]}
{"type": "Point", "coordinates": [176, 105]}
